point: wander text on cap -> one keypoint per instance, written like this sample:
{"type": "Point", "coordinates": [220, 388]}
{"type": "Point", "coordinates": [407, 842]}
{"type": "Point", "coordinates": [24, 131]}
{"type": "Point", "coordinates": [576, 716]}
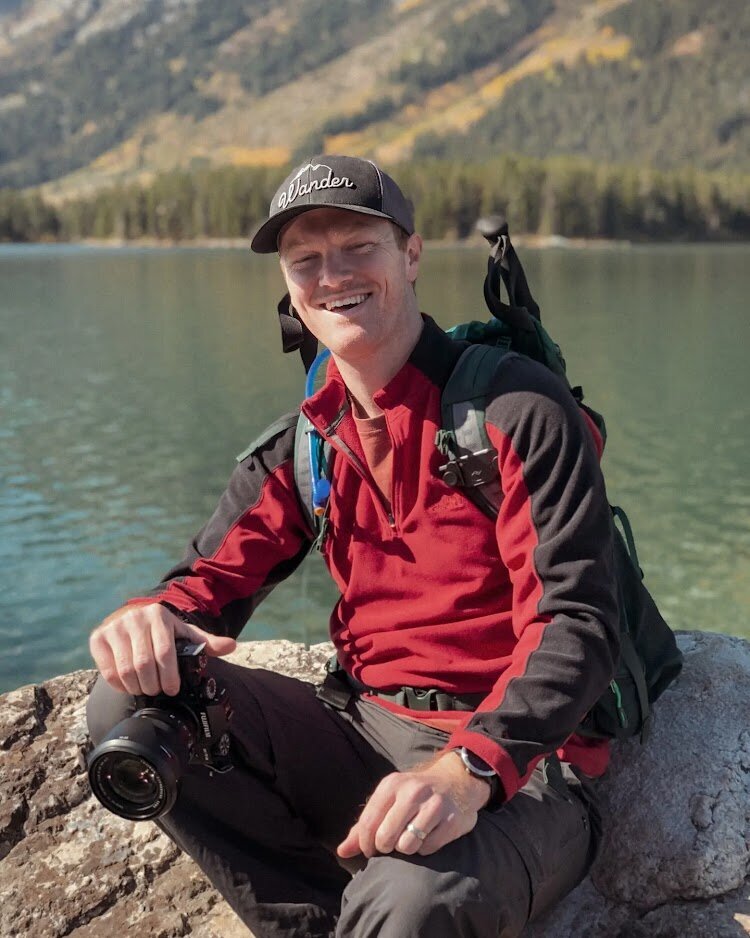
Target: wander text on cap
{"type": "Point", "coordinates": [333, 182]}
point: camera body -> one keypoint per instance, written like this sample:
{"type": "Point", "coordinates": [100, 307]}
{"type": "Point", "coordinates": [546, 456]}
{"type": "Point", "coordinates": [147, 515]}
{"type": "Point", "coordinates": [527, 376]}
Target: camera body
{"type": "Point", "coordinates": [137, 769]}
{"type": "Point", "coordinates": [202, 696]}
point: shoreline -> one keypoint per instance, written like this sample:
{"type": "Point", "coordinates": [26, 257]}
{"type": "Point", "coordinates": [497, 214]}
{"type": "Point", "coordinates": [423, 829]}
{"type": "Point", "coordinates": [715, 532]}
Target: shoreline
{"type": "Point", "coordinates": [533, 241]}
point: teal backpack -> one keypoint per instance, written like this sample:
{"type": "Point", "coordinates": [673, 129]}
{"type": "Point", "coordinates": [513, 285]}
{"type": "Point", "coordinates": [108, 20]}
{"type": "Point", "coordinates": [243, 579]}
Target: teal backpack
{"type": "Point", "coordinates": [649, 657]}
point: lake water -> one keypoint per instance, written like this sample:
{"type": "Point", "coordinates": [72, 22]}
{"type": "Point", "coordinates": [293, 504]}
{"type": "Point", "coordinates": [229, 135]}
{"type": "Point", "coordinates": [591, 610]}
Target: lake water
{"type": "Point", "coordinates": [129, 379]}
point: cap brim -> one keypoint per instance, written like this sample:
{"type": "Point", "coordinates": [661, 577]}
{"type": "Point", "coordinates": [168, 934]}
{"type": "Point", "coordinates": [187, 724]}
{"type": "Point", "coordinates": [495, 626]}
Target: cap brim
{"type": "Point", "coordinates": [266, 238]}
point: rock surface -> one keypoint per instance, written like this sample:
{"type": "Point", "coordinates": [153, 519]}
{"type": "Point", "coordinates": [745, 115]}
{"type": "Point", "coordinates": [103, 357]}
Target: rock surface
{"type": "Point", "coordinates": [675, 859]}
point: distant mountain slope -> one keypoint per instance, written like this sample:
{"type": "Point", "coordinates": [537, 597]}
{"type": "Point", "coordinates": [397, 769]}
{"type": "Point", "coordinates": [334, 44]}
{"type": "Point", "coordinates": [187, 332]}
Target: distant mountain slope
{"type": "Point", "coordinates": [671, 87]}
{"type": "Point", "coordinates": [94, 91]}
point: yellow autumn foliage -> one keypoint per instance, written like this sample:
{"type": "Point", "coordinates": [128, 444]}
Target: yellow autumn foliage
{"type": "Point", "coordinates": [409, 5]}
{"type": "Point", "coordinates": [450, 107]}
{"type": "Point", "coordinates": [256, 156]}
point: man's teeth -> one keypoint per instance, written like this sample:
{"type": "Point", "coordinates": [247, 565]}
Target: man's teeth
{"type": "Point", "coordinates": [347, 301]}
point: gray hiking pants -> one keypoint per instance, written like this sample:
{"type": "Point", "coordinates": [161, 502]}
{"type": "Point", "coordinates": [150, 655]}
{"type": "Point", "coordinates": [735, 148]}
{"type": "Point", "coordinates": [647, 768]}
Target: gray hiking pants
{"type": "Point", "coordinates": [265, 833]}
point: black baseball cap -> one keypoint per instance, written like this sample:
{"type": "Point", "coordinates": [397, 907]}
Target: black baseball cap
{"type": "Point", "coordinates": [333, 182]}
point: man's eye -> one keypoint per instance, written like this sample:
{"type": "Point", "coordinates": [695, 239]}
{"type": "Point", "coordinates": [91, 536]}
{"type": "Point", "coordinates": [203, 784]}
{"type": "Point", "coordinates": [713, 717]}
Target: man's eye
{"type": "Point", "coordinates": [302, 261]}
{"type": "Point", "coordinates": [362, 246]}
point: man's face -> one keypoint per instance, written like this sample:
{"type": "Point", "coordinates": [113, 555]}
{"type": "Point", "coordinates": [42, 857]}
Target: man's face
{"type": "Point", "coordinates": [350, 281]}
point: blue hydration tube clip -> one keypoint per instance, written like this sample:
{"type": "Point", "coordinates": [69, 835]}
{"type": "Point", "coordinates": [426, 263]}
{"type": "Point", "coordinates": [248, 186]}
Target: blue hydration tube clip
{"type": "Point", "coordinates": [321, 487]}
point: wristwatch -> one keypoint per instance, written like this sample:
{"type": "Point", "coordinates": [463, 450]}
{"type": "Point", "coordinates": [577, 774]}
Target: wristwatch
{"type": "Point", "coordinates": [477, 767]}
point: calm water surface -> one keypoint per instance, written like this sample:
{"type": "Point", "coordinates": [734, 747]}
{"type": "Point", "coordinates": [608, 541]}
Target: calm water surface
{"type": "Point", "coordinates": [129, 380]}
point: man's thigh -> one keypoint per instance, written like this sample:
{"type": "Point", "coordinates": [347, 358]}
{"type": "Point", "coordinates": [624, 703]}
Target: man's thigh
{"type": "Point", "coordinates": [517, 862]}
{"type": "Point", "coordinates": [520, 859]}
{"type": "Point", "coordinates": [554, 823]}
{"type": "Point", "coordinates": [474, 887]}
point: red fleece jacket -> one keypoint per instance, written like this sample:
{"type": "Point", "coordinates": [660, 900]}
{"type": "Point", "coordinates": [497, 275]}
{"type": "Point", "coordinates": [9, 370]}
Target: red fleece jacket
{"type": "Point", "coordinates": [434, 593]}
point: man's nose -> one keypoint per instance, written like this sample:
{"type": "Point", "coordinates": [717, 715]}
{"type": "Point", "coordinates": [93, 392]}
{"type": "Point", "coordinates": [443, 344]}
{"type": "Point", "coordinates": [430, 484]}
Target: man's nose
{"type": "Point", "coordinates": [334, 269]}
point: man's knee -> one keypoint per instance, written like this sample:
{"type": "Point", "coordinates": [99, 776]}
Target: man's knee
{"type": "Point", "coordinates": [105, 708]}
{"type": "Point", "coordinates": [395, 897]}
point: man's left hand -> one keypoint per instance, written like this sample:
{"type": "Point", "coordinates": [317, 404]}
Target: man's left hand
{"type": "Point", "coordinates": [418, 811]}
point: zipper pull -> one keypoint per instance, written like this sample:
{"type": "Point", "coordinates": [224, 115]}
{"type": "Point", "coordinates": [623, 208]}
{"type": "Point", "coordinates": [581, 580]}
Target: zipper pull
{"type": "Point", "coordinates": [319, 543]}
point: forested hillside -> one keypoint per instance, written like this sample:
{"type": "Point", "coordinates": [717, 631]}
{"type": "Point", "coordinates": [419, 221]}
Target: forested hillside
{"type": "Point", "coordinates": [680, 95]}
{"type": "Point", "coordinates": [96, 92]}
{"type": "Point", "coordinates": [561, 196]}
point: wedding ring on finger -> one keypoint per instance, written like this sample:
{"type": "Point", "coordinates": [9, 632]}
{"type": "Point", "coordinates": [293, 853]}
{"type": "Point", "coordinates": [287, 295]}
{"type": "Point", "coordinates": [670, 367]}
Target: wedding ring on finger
{"type": "Point", "coordinates": [417, 831]}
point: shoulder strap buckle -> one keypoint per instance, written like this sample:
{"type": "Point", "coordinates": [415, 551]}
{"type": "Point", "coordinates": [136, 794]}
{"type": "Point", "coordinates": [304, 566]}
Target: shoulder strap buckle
{"type": "Point", "coordinates": [471, 470]}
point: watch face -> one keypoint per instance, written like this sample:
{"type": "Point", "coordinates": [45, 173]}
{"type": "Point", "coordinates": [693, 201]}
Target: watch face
{"type": "Point", "coordinates": [480, 764]}
{"type": "Point", "coordinates": [475, 764]}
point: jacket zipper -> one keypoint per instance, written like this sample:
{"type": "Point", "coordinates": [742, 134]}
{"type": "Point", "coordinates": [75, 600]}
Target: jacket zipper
{"type": "Point", "coordinates": [335, 440]}
{"type": "Point", "coordinates": [395, 488]}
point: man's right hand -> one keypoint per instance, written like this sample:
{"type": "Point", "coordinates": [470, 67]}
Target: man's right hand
{"type": "Point", "coordinates": [134, 648]}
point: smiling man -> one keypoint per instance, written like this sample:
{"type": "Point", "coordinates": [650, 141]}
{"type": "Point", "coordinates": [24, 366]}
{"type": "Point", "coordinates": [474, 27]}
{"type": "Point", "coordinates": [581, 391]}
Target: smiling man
{"type": "Point", "coordinates": [433, 784]}
{"type": "Point", "coordinates": [351, 280]}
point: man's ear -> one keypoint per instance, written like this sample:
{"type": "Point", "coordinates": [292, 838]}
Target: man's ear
{"type": "Point", "coordinates": [413, 254]}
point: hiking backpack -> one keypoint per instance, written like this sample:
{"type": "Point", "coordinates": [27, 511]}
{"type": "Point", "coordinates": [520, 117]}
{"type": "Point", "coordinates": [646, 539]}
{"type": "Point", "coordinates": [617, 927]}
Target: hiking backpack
{"type": "Point", "coordinates": [649, 658]}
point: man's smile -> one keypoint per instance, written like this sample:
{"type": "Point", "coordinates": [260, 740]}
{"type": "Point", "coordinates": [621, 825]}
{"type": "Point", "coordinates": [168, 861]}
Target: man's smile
{"type": "Point", "coordinates": [345, 302]}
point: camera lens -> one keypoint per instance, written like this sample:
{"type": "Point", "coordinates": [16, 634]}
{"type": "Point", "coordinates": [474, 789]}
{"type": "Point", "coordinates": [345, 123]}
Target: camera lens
{"type": "Point", "coordinates": [135, 772]}
{"type": "Point", "coordinates": [133, 780]}
{"type": "Point", "coordinates": [129, 785]}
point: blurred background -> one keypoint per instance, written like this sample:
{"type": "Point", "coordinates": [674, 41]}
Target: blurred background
{"type": "Point", "coordinates": [140, 144]}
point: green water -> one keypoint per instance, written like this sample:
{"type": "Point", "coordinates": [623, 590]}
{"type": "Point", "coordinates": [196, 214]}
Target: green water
{"type": "Point", "coordinates": [130, 379]}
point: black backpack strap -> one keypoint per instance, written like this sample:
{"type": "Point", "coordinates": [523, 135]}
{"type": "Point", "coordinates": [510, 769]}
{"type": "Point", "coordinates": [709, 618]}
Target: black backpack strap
{"type": "Point", "coordinates": [504, 265]}
{"type": "Point", "coordinates": [294, 333]}
{"type": "Point", "coordinates": [618, 514]}
{"type": "Point", "coordinates": [277, 427]}
{"type": "Point", "coordinates": [472, 459]}
{"type": "Point", "coordinates": [629, 657]}
{"type": "Point", "coordinates": [628, 653]}
{"type": "Point", "coordinates": [514, 277]}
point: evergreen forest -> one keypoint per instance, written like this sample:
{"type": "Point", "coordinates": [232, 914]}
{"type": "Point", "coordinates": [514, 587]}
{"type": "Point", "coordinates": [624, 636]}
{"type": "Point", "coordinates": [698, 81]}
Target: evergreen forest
{"type": "Point", "coordinates": [563, 196]}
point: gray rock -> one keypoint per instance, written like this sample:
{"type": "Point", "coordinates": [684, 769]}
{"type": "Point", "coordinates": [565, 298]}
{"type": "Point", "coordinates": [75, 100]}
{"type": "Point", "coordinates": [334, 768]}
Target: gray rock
{"type": "Point", "coordinates": [675, 859]}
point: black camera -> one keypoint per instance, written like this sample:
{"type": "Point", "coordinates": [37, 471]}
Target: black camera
{"type": "Point", "coordinates": [136, 770]}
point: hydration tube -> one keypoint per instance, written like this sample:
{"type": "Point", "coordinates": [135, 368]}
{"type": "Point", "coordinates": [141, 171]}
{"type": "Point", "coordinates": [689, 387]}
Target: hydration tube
{"type": "Point", "coordinates": [321, 487]}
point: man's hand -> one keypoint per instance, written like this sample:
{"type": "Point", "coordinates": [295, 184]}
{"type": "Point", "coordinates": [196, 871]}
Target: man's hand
{"type": "Point", "coordinates": [134, 648]}
{"type": "Point", "coordinates": [440, 800]}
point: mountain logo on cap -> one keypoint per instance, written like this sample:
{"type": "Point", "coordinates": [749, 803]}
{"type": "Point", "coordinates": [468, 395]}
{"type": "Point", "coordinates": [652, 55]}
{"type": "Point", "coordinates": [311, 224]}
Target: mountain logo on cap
{"type": "Point", "coordinates": [319, 177]}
